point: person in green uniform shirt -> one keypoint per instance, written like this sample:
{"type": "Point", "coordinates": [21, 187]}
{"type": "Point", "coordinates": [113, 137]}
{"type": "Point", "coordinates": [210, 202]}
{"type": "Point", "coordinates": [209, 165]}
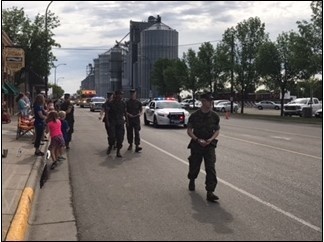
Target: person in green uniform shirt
{"type": "Point", "coordinates": [203, 128]}
{"type": "Point", "coordinates": [115, 116]}
{"type": "Point", "coordinates": [134, 110]}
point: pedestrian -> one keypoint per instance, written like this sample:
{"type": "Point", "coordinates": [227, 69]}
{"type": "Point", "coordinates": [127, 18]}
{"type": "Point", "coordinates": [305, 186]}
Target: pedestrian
{"type": "Point", "coordinates": [23, 107]}
{"type": "Point", "coordinates": [68, 107]}
{"type": "Point", "coordinates": [103, 114]}
{"type": "Point", "coordinates": [39, 123]}
{"type": "Point", "coordinates": [133, 110]}
{"type": "Point", "coordinates": [203, 128]}
{"type": "Point", "coordinates": [57, 141]}
{"type": "Point", "coordinates": [115, 114]}
{"type": "Point", "coordinates": [65, 129]}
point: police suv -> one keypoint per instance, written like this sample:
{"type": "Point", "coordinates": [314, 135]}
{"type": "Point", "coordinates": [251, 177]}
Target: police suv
{"type": "Point", "coordinates": [165, 111]}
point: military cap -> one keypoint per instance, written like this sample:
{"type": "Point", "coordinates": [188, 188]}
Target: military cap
{"type": "Point", "coordinates": [119, 92]}
{"type": "Point", "coordinates": [109, 94]}
{"type": "Point", "coordinates": [208, 96]}
{"type": "Point", "coordinates": [132, 90]}
{"type": "Point", "coordinates": [66, 95]}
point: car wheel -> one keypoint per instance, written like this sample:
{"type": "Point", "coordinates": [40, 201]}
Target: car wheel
{"type": "Point", "coordinates": [223, 110]}
{"type": "Point", "coordinates": [260, 107]}
{"type": "Point", "coordinates": [276, 108]}
{"type": "Point", "coordinates": [146, 122]}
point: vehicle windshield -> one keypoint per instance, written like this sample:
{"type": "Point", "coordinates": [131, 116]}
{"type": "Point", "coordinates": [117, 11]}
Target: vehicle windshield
{"type": "Point", "coordinates": [300, 101]}
{"type": "Point", "coordinates": [168, 105]}
{"type": "Point", "coordinates": [99, 99]}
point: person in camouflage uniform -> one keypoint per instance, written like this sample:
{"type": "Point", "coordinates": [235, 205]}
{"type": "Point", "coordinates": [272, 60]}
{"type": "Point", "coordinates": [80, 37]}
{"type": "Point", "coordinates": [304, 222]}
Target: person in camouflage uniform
{"type": "Point", "coordinates": [203, 128]}
{"type": "Point", "coordinates": [134, 110]}
{"type": "Point", "coordinates": [115, 116]}
{"type": "Point", "coordinates": [102, 114]}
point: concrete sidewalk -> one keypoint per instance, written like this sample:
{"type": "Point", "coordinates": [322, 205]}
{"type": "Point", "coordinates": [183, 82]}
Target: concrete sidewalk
{"type": "Point", "coordinates": [21, 172]}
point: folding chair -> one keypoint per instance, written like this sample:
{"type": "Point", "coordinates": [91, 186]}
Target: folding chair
{"type": "Point", "coordinates": [24, 126]}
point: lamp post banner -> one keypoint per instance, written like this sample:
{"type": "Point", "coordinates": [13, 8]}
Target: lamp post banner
{"type": "Point", "coordinates": [14, 58]}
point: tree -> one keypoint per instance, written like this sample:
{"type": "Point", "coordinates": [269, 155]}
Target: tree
{"type": "Point", "coordinates": [32, 37]}
{"type": "Point", "coordinates": [57, 90]}
{"type": "Point", "coordinates": [312, 39]}
{"type": "Point", "coordinates": [167, 76]}
{"type": "Point", "coordinates": [206, 66]}
{"type": "Point", "coordinates": [249, 35]}
{"type": "Point", "coordinates": [193, 82]}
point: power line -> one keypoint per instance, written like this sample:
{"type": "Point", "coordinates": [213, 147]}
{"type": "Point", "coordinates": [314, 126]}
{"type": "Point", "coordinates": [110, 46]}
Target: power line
{"type": "Point", "coordinates": [106, 49]}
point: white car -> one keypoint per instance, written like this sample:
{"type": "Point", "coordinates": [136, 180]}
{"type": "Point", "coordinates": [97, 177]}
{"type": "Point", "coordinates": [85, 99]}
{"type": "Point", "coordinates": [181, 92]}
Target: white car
{"type": "Point", "coordinates": [165, 112]}
{"type": "Point", "coordinates": [226, 107]}
{"type": "Point", "coordinates": [96, 103]}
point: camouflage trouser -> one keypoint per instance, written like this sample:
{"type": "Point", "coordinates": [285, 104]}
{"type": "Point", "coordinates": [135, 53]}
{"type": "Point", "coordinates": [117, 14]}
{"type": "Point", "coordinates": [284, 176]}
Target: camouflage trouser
{"type": "Point", "coordinates": [116, 134]}
{"type": "Point", "coordinates": [208, 154]}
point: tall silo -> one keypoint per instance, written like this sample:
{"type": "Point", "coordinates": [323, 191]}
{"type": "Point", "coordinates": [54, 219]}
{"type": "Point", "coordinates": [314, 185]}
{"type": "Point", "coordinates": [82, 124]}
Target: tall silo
{"type": "Point", "coordinates": [158, 41]}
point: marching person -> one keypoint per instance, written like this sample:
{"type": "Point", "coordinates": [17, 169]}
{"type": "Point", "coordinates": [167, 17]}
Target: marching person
{"type": "Point", "coordinates": [115, 114]}
{"type": "Point", "coordinates": [133, 110]}
{"type": "Point", "coordinates": [103, 113]}
{"type": "Point", "coordinates": [203, 128]}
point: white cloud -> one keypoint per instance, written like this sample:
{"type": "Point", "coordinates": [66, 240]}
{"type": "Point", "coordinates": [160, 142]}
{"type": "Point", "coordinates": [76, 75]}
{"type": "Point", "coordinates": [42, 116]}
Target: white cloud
{"type": "Point", "coordinates": [97, 24]}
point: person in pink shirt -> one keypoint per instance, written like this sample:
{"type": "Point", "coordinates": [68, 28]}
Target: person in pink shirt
{"type": "Point", "coordinates": [57, 140]}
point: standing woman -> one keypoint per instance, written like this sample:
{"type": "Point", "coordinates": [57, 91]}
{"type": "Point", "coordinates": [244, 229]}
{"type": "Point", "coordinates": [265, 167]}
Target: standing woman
{"type": "Point", "coordinates": [40, 116]}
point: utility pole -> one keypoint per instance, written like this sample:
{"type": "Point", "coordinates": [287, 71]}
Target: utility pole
{"type": "Point", "coordinates": [46, 49]}
{"type": "Point", "coordinates": [232, 72]}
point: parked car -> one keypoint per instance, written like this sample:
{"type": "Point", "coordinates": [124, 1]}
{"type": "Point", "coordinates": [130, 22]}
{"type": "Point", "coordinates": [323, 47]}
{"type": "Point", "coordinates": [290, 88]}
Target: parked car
{"type": "Point", "coordinates": [165, 112]}
{"type": "Point", "coordinates": [319, 113]}
{"type": "Point", "coordinates": [267, 105]}
{"type": "Point", "coordinates": [217, 102]}
{"type": "Point", "coordinates": [226, 107]}
{"type": "Point", "coordinates": [300, 106]}
{"type": "Point", "coordinates": [96, 103]}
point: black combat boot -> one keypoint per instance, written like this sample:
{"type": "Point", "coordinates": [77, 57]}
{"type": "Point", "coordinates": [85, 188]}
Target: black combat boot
{"type": "Point", "coordinates": [138, 148]}
{"type": "Point", "coordinates": [211, 197]}
{"type": "Point", "coordinates": [192, 185]}
{"type": "Point", "coordinates": [109, 150]}
{"type": "Point", "coordinates": [118, 153]}
{"type": "Point", "coordinates": [130, 147]}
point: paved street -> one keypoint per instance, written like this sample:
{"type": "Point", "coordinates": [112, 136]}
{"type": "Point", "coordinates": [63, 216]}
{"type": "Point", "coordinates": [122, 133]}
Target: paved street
{"type": "Point", "coordinates": [270, 177]}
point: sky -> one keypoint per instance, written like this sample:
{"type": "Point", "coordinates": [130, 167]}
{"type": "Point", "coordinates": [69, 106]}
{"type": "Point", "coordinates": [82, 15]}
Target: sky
{"type": "Point", "coordinates": [90, 28]}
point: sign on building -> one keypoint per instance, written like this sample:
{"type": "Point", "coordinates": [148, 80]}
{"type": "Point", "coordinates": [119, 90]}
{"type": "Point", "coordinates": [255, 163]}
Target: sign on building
{"type": "Point", "coordinates": [14, 58]}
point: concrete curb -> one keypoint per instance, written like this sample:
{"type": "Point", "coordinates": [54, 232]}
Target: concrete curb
{"type": "Point", "coordinates": [18, 227]}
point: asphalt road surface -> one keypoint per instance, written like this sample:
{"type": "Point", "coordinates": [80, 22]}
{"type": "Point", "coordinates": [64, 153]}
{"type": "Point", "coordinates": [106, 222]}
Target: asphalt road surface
{"type": "Point", "coordinates": [269, 184]}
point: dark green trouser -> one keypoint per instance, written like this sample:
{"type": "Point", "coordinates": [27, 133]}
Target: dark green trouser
{"type": "Point", "coordinates": [208, 154]}
{"type": "Point", "coordinates": [133, 125]}
{"type": "Point", "coordinates": [116, 134]}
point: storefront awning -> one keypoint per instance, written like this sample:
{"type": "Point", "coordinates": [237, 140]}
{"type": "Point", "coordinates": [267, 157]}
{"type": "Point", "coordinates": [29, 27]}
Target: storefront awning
{"type": "Point", "coordinates": [12, 89]}
{"type": "Point", "coordinates": [4, 90]}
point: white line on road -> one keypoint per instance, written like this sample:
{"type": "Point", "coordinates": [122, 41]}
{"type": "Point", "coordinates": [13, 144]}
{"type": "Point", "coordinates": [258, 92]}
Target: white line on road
{"type": "Point", "coordinates": [242, 191]}
{"type": "Point", "coordinates": [272, 147]}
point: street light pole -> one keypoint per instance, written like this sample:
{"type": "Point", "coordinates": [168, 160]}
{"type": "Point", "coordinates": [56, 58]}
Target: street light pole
{"type": "Point", "coordinates": [46, 51]}
{"type": "Point", "coordinates": [63, 64]}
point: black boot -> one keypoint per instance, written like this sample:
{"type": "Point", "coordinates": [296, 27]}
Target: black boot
{"type": "Point", "coordinates": [211, 197]}
{"type": "Point", "coordinates": [192, 185]}
{"type": "Point", "coordinates": [109, 150]}
{"type": "Point", "coordinates": [130, 147]}
{"type": "Point", "coordinates": [138, 148]}
{"type": "Point", "coordinates": [118, 153]}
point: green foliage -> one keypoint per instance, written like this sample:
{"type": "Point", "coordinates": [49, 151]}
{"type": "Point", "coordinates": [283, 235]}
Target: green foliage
{"type": "Point", "coordinates": [31, 37]}
{"type": "Point", "coordinates": [57, 90]}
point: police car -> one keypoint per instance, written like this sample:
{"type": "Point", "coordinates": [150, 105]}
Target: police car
{"type": "Point", "coordinates": [165, 111]}
{"type": "Point", "coordinates": [96, 103]}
